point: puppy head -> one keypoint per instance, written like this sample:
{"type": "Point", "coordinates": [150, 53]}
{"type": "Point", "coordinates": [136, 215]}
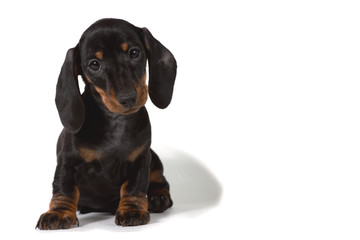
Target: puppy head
{"type": "Point", "coordinates": [111, 58]}
{"type": "Point", "coordinates": [113, 62]}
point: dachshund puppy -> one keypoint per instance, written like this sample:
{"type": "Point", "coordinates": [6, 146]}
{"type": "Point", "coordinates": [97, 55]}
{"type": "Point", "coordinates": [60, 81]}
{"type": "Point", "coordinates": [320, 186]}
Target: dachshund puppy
{"type": "Point", "coordinates": [104, 160]}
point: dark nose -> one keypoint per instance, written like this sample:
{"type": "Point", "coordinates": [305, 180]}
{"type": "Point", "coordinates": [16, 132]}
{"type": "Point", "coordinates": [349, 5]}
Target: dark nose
{"type": "Point", "coordinates": [127, 100]}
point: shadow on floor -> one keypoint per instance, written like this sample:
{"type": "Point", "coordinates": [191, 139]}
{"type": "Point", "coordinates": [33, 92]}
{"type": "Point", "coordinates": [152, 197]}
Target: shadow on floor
{"type": "Point", "coordinates": [192, 185]}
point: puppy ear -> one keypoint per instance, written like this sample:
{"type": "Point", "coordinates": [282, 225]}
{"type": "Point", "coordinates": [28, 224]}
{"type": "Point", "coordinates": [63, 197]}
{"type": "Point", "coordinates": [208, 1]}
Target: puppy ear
{"type": "Point", "coordinates": [68, 99]}
{"type": "Point", "coordinates": [162, 70]}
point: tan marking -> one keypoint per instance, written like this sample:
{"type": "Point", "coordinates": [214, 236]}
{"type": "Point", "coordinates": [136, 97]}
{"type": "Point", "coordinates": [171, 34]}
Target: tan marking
{"type": "Point", "coordinates": [156, 176]}
{"type": "Point", "coordinates": [99, 55]}
{"type": "Point", "coordinates": [133, 202]}
{"type": "Point", "coordinates": [136, 152]}
{"type": "Point", "coordinates": [130, 204]}
{"type": "Point", "coordinates": [138, 200]}
{"type": "Point", "coordinates": [123, 190]}
{"type": "Point", "coordinates": [111, 102]}
{"type": "Point", "coordinates": [87, 78]}
{"type": "Point", "coordinates": [59, 200]}
{"type": "Point", "coordinates": [142, 91]}
{"type": "Point", "coordinates": [143, 79]}
{"type": "Point", "coordinates": [124, 46]}
{"type": "Point", "coordinates": [64, 206]}
{"type": "Point", "coordinates": [88, 154]}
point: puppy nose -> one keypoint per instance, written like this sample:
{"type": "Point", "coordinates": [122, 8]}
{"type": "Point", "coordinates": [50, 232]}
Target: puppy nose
{"type": "Point", "coordinates": [127, 100]}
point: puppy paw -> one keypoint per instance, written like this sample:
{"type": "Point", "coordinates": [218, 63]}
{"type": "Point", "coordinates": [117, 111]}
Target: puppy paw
{"type": "Point", "coordinates": [131, 217]}
{"type": "Point", "coordinates": [159, 201]}
{"type": "Point", "coordinates": [57, 220]}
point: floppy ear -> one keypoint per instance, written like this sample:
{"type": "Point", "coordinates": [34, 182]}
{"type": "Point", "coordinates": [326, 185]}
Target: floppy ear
{"type": "Point", "coordinates": [162, 70]}
{"type": "Point", "coordinates": [68, 100]}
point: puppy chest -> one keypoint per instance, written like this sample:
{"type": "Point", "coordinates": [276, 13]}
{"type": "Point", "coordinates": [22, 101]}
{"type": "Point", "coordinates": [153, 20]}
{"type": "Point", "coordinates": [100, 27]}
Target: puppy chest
{"type": "Point", "coordinates": [99, 184]}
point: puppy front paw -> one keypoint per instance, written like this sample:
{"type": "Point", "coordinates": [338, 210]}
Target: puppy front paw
{"type": "Point", "coordinates": [131, 217]}
{"type": "Point", "coordinates": [57, 220]}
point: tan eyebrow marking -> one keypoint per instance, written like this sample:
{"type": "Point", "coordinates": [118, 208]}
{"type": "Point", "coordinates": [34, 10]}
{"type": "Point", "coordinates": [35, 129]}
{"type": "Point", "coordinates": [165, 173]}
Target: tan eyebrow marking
{"type": "Point", "coordinates": [99, 55]}
{"type": "Point", "coordinates": [124, 46]}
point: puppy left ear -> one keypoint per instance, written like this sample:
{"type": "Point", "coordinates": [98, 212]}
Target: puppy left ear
{"type": "Point", "coordinates": [68, 99]}
{"type": "Point", "coordinates": [162, 70]}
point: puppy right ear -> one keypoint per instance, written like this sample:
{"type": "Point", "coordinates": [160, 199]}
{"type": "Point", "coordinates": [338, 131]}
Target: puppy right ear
{"type": "Point", "coordinates": [68, 99]}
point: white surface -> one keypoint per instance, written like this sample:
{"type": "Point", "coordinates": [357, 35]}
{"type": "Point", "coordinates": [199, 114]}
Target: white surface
{"type": "Point", "coordinates": [261, 140]}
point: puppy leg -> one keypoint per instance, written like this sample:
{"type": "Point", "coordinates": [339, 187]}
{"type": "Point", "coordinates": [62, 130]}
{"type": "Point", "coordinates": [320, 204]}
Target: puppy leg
{"type": "Point", "coordinates": [63, 205]}
{"type": "Point", "coordinates": [158, 192]}
{"type": "Point", "coordinates": [133, 206]}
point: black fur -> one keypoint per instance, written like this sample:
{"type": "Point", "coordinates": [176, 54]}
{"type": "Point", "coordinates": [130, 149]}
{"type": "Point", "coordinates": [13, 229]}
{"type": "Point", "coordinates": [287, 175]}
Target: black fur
{"type": "Point", "coordinates": [104, 160]}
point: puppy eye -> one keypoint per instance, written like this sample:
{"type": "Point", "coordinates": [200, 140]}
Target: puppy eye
{"type": "Point", "coordinates": [94, 65]}
{"type": "Point", "coordinates": [134, 53]}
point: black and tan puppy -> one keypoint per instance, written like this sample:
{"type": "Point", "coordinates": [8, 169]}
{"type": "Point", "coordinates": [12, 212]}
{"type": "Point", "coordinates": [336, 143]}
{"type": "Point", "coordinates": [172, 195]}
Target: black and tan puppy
{"type": "Point", "coordinates": [104, 160]}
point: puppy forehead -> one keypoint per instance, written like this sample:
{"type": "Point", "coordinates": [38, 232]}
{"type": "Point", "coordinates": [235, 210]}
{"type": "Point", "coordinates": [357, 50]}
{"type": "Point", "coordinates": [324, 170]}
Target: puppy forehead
{"type": "Point", "coordinates": [111, 23]}
{"type": "Point", "coordinates": [109, 40]}
{"type": "Point", "coordinates": [115, 29]}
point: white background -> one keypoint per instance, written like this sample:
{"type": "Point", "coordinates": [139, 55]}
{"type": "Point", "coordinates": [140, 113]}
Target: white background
{"type": "Point", "coordinates": [261, 140]}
